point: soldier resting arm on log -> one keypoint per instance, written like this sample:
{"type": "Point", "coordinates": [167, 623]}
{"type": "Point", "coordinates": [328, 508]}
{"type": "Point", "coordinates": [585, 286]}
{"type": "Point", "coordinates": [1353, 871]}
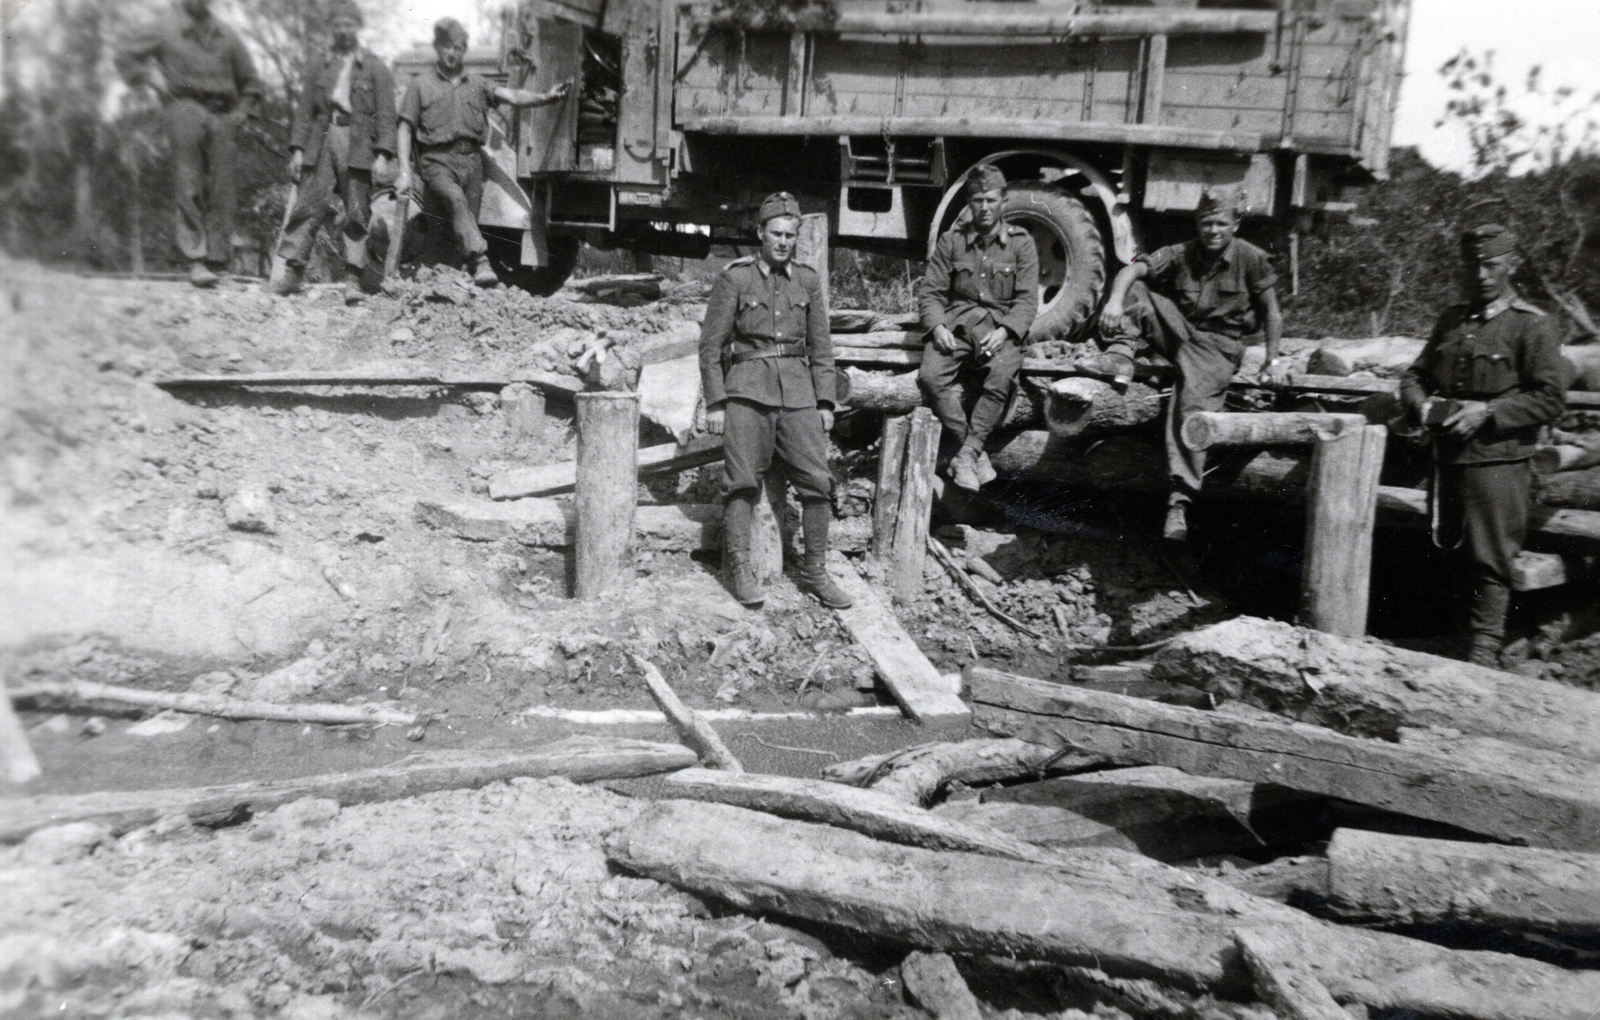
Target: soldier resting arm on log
{"type": "Point", "coordinates": [1195, 304]}
{"type": "Point", "coordinates": [766, 365]}
{"type": "Point", "coordinates": [977, 303]}
{"type": "Point", "coordinates": [1489, 377]}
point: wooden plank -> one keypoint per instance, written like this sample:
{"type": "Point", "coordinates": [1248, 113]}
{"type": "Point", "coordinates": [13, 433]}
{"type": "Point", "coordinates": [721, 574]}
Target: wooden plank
{"type": "Point", "coordinates": [553, 479]}
{"type": "Point", "coordinates": [1284, 981]}
{"type": "Point", "coordinates": [997, 19]}
{"type": "Point", "coordinates": [907, 674]}
{"type": "Point", "coordinates": [886, 497]}
{"type": "Point", "coordinates": [548, 381]}
{"type": "Point", "coordinates": [979, 127]}
{"type": "Point", "coordinates": [78, 693]}
{"type": "Point", "coordinates": [1341, 508]}
{"type": "Point", "coordinates": [1487, 786]}
{"type": "Point", "coordinates": [933, 982]}
{"type": "Point", "coordinates": [581, 759]}
{"type": "Point", "coordinates": [1116, 912]}
{"type": "Point", "coordinates": [1533, 571]}
{"type": "Point", "coordinates": [916, 506]}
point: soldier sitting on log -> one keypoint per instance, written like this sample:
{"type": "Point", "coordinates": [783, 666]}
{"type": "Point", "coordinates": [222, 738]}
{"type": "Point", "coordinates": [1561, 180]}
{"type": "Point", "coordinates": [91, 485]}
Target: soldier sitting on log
{"type": "Point", "coordinates": [977, 302]}
{"type": "Point", "coordinates": [766, 363]}
{"type": "Point", "coordinates": [1194, 303]}
{"type": "Point", "coordinates": [1489, 378]}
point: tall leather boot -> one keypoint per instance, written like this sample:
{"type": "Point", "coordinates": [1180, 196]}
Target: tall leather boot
{"type": "Point", "coordinates": [736, 565]}
{"type": "Point", "coordinates": [1491, 599]}
{"type": "Point", "coordinates": [814, 520]}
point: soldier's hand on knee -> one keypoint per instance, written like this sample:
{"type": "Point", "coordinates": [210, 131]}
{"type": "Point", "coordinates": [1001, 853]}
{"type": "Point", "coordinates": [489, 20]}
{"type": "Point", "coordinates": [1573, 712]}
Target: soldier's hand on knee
{"type": "Point", "coordinates": [715, 420]}
{"type": "Point", "coordinates": [944, 340]}
{"type": "Point", "coordinates": [1467, 419]}
{"type": "Point", "coordinates": [993, 342]}
{"type": "Point", "coordinates": [827, 418]}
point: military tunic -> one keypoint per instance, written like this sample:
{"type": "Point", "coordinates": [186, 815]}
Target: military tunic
{"type": "Point", "coordinates": [1196, 312]}
{"type": "Point", "coordinates": [1508, 356]}
{"type": "Point", "coordinates": [766, 357]}
{"type": "Point", "coordinates": [973, 285]}
{"type": "Point", "coordinates": [450, 119]}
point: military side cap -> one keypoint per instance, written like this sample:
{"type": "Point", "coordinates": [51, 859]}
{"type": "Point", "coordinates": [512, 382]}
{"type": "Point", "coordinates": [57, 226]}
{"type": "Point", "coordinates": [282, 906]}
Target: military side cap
{"type": "Point", "coordinates": [1488, 241]}
{"type": "Point", "coordinates": [779, 204]}
{"type": "Point", "coordinates": [345, 9]}
{"type": "Point", "coordinates": [449, 30]}
{"type": "Point", "coordinates": [985, 178]}
{"type": "Point", "coordinates": [1219, 200]}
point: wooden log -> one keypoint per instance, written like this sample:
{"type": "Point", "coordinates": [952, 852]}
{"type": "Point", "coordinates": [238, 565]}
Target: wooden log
{"type": "Point", "coordinates": [607, 490]}
{"type": "Point", "coordinates": [1112, 911]}
{"type": "Point", "coordinates": [1486, 786]}
{"type": "Point", "coordinates": [642, 285]}
{"type": "Point", "coordinates": [1284, 981]}
{"type": "Point", "coordinates": [916, 506]}
{"type": "Point", "coordinates": [1170, 815]}
{"type": "Point", "coordinates": [886, 498]}
{"type": "Point", "coordinates": [78, 693]}
{"type": "Point", "coordinates": [1384, 355]}
{"type": "Point", "coordinates": [1577, 489]}
{"type": "Point", "coordinates": [1051, 827]}
{"type": "Point", "coordinates": [890, 393]}
{"type": "Point", "coordinates": [1534, 571]}
{"type": "Point", "coordinates": [918, 774]}
{"type": "Point", "coordinates": [1377, 877]}
{"type": "Point", "coordinates": [866, 811]}
{"type": "Point", "coordinates": [550, 382]}
{"type": "Point", "coordinates": [692, 730]}
{"type": "Point", "coordinates": [581, 759]}
{"type": "Point", "coordinates": [933, 982]}
{"type": "Point", "coordinates": [904, 671]}
{"type": "Point", "coordinates": [18, 764]}
{"type": "Point", "coordinates": [554, 479]}
{"type": "Point", "coordinates": [1549, 459]}
{"type": "Point", "coordinates": [1079, 405]}
{"type": "Point", "coordinates": [1205, 429]}
{"type": "Point", "coordinates": [1001, 22]}
{"type": "Point", "coordinates": [1341, 509]}
{"type": "Point", "coordinates": [860, 320]}
{"type": "Point", "coordinates": [1377, 690]}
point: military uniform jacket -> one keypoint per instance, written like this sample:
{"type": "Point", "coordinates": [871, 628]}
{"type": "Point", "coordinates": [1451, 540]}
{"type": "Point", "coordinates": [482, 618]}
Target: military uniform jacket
{"type": "Point", "coordinates": [754, 307]}
{"type": "Point", "coordinates": [443, 110]}
{"type": "Point", "coordinates": [201, 60]}
{"type": "Point", "coordinates": [372, 113]}
{"type": "Point", "coordinates": [974, 284]}
{"type": "Point", "coordinates": [1217, 296]}
{"type": "Point", "coordinates": [1506, 355]}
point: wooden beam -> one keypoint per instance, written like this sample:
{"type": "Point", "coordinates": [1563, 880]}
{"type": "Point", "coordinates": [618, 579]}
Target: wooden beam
{"type": "Point", "coordinates": [607, 491]}
{"type": "Point", "coordinates": [1533, 571]}
{"type": "Point", "coordinates": [912, 517]}
{"type": "Point", "coordinates": [1116, 912]}
{"type": "Point", "coordinates": [77, 693]}
{"type": "Point", "coordinates": [1205, 429]}
{"type": "Point", "coordinates": [886, 497]}
{"type": "Point", "coordinates": [1488, 786]}
{"type": "Point", "coordinates": [581, 759]}
{"type": "Point", "coordinates": [1284, 981]}
{"type": "Point", "coordinates": [548, 381]}
{"type": "Point", "coordinates": [987, 127]}
{"type": "Point", "coordinates": [933, 982]}
{"type": "Point", "coordinates": [554, 479]}
{"type": "Point", "coordinates": [907, 674]}
{"type": "Point", "coordinates": [996, 20]}
{"type": "Point", "coordinates": [1341, 509]}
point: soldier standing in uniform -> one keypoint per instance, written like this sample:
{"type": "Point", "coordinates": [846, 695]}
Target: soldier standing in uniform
{"type": "Point", "coordinates": [345, 123]}
{"type": "Point", "coordinates": [766, 363]}
{"type": "Point", "coordinates": [977, 302]}
{"type": "Point", "coordinates": [447, 112]}
{"type": "Point", "coordinates": [205, 76]}
{"type": "Point", "coordinates": [1195, 303]}
{"type": "Point", "coordinates": [1490, 376]}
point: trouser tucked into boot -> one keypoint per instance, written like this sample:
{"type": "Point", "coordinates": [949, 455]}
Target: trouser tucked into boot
{"type": "Point", "coordinates": [815, 518]}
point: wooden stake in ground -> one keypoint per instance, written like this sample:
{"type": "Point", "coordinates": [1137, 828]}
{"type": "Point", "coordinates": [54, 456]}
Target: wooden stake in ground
{"type": "Point", "coordinates": [886, 500]}
{"type": "Point", "coordinates": [1127, 916]}
{"type": "Point", "coordinates": [916, 506]}
{"type": "Point", "coordinates": [1341, 506]}
{"type": "Point", "coordinates": [695, 731]}
{"type": "Point", "coordinates": [581, 759]}
{"type": "Point", "coordinates": [17, 762]}
{"type": "Point", "coordinates": [607, 490]}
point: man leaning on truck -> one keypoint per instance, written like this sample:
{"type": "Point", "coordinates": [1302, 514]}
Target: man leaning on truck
{"type": "Point", "coordinates": [977, 302]}
{"type": "Point", "coordinates": [447, 114]}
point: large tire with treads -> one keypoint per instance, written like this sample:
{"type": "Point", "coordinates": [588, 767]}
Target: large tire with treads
{"type": "Point", "coordinates": [1072, 257]}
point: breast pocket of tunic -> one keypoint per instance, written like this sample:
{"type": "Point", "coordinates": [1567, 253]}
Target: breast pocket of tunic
{"type": "Point", "coordinates": [964, 281]}
{"type": "Point", "coordinates": [793, 324]}
{"type": "Point", "coordinates": [1003, 282]}
{"type": "Point", "coordinates": [755, 316]}
{"type": "Point", "coordinates": [1493, 371]}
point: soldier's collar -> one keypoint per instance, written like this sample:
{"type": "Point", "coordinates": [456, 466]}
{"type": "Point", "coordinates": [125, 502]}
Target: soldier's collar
{"type": "Point", "coordinates": [439, 73]}
{"type": "Point", "coordinates": [200, 28]}
{"type": "Point", "coordinates": [1222, 258]}
{"type": "Point", "coordinates": [1495, 307]}
{"type": "Point", "coordinates": [766, 267]}
{"type": "Point", "coordinates": [999, 233]}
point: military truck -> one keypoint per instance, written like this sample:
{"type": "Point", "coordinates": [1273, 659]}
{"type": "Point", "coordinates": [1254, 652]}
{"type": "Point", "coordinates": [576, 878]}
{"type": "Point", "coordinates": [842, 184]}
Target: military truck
{"type": "Point", "coordinates": [1110, 118]}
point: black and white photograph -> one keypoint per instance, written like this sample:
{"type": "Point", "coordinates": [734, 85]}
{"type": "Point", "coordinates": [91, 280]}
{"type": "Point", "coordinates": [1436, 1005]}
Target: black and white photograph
{"type": "Point", "coordinates": [800, 509]}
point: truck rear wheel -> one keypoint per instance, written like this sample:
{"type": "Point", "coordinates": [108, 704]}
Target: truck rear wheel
{"type": "Point", "coordinates": [505, 255]}
{"type": "Point", "coordinates": [1072, 257]}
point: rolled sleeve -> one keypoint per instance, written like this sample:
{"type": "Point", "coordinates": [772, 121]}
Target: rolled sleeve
{"type": "Point", "coordinates": [819, 338]}
{"type": "Point", "coordinates": [1160, 263]}
{"type": "Point", "coordinates": [1259, 276]}
{"type": "Point", "coordinates": [933, 294]}
{"type": "Point", "coordinates": [721, 308]}
{"type": "Point", "coordinates": [245, 79]}
{"type": "Point", "coordinates": [1025, 301]}
{"type": "Point", "coordinates": [410, 109]}
{"type": "Point", "coordinates": [1542, 397]}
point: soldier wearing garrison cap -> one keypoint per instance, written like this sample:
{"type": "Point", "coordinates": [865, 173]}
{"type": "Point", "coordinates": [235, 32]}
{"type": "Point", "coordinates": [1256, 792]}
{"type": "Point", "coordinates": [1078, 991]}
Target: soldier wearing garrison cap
{"type": "Point", "coordinates": [446, 112]}
{"type": "Point", "coordinates": [976, 302]}
{"type": "Point", "coordinates": [766, 364]}
{"type": "Point", "coordinates": [344, 130]}
{"type": "Point", "coordinates": [1490, 377]}
{"type": "Point", "coordinates": [1196, 304]}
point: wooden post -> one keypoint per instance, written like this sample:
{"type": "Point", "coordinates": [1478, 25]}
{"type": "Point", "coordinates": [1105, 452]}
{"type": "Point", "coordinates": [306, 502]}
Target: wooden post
{"type": "Point", "coordinates": [886, 500]}
{"type": "Point", "coordinates": [17, 763]}
{"type": "Point", "coordinates": [607, 489]}
{"type": "Point", "coordinates": [916, 504]}
{"type": "Point", "coordinates": [1205, 429]}
{"type": "Point", "coordinates": [1341, 502]}
{"type": "Point", "coordinates": [811, 248]}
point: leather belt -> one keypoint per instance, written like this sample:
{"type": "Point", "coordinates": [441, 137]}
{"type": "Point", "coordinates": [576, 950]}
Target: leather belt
{"type": "Point", "coordinates": [461, 146]}
{"type": "Point", "coordinates": [778, 351]}
{"type": "Point", "coordinates": [341, 119]}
